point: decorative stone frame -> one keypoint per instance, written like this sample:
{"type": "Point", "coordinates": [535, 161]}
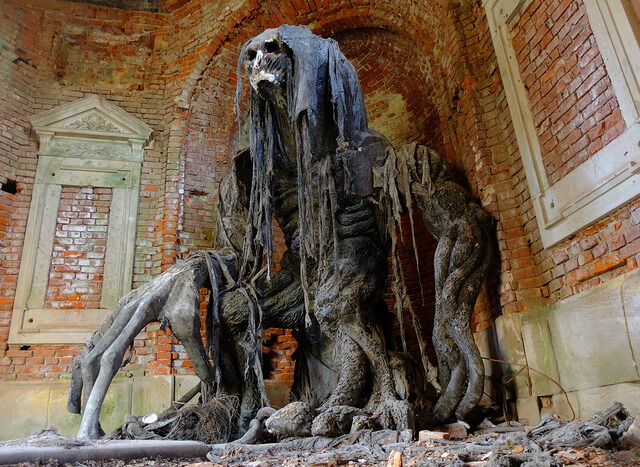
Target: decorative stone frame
{"type": "Point", "coordinates": [609, 178]}
{"type": "Point", "coordinates": [90, 142]}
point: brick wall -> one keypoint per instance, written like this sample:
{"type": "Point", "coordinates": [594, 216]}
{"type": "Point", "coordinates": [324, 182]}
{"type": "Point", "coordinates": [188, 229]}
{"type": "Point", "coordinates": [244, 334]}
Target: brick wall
{"type": "Point", "coordinates": [79, 245]}
{"type": "Point", "coordinates": [531, 276]}
{"type": "Point", "coordinates": [574, 109]}
{"type": "Point", "coordinates": [15, 94]}
{"type": "Point", "coordinates": [36, 363]}
{"type": "Point", "coordinates": [277, 349]}
{"type": "Point", "coordinates": [635, 4]}
{"type": "Point", "coordinates": [600, 253]}
{"type": "Point", "coordinates": [54, 53]}
{"type": "Point", "coordinates": [497, 173]}
{"type": "Point", "coordinates": [399, 96]}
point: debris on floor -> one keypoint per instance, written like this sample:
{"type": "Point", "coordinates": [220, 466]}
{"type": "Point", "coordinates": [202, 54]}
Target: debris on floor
{"type": "Point", "coordinates": [610, 438]}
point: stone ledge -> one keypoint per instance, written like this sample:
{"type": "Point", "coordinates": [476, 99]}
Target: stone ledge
{"type": "Point", "coordinates": [29, 407]}
{"type": "Point", "coordinates": [589, 343]}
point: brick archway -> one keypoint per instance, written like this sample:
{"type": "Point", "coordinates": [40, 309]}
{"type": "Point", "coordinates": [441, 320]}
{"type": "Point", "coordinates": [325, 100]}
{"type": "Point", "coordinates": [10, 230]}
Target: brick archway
{"type": "Point", "coordinates": [417, 23]}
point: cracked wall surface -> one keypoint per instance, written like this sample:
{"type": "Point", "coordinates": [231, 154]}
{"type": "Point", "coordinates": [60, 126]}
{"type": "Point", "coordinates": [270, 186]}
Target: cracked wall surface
{"type": "Point", "coordinates": [584, 349]}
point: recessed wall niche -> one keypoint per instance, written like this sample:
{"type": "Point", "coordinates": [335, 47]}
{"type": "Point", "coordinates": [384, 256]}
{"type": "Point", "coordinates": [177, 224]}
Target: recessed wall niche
{"type": "Point", "coordinates": [79, 244]}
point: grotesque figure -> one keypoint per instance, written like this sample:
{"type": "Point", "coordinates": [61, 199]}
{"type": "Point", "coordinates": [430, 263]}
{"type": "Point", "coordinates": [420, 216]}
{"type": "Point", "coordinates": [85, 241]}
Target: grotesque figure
{"type": "Point", "coordinates": [307, 160]}
{"type": "Point", "coordinates": [312, 156]}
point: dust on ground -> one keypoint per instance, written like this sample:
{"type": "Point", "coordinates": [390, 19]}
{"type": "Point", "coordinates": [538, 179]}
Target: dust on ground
{"type": "Point", "coordinates": [611, 438]}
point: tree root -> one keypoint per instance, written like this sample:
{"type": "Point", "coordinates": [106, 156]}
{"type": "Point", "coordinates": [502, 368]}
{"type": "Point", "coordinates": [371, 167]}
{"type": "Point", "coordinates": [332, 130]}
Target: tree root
{"type": "Point", "coordinates": [211, 422]}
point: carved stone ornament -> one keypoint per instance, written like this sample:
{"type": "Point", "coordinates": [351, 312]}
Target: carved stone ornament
{"type": "Point", "coordinates": [89, 149]}
{"type": "Point", "coordinates": [94, 122]}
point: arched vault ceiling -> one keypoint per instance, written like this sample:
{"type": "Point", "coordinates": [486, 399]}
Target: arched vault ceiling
{"type": "Point", "coordinates": [398, 91]}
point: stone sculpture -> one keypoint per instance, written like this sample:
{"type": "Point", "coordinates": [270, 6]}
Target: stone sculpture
{"type": "Point", "coordinates": [335, 187]}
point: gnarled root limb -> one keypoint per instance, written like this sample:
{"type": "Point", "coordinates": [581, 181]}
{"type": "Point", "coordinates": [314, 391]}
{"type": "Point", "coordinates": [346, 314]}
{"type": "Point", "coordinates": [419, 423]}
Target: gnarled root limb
{"type": "Point", "coordinates": [345, 308]}
{"type": "Point", "coordinates": [393, 413]}
{"type": "Point", "coordinates": [415, 174]}
{"type": "Point", "coordinates": [173, 299]}
{"type": "Point", "coordinates": [245, 312]}
{"type": "Point", "coordinates": [461, 266]}
{"type": "Point", "coordinates": [352, 375]}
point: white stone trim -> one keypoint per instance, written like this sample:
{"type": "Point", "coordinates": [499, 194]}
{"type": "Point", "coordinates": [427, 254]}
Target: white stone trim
{"type": "Point", "coordinates": [93, 143]}
{"type": "Point", "coordinates": [121, 239]}
{"type": "Point", "coordinates": [42, 222]}
{"type": "Point", "coordinates": [610, 178]}
{"type": "Point", "coordinates": [620, 52]}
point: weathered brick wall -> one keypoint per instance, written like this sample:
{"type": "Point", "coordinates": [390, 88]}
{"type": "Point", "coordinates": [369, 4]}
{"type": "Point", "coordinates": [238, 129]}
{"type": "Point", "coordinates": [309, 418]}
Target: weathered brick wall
{"type": "Point", "coordinates": [495, 170]}
{"type": "Point", "coordinates": [277, 349]}
{"type": "Point", "coordinates": [145, 5]}
{"type": "Point", "coordinates": [531, 276]}
{"type": "Point", "coordinates": [600, 253]}
{"type": "Point", "coordinates": [36, 363]}
{"type": "Point", "coordinates": [399, 95]}
{"type": "Point", "coordinates": [15, 94]}
{"type": "Point", "coordinates": [54, 53]}
{"type": "Point", "coordinates": [635, 4]}
{"type": "Point", "coordinates": [463, 68]}
{"type": "Point", "coordinates": [79, 245]}
{"type": "Point", "coordinates": [574, 109]}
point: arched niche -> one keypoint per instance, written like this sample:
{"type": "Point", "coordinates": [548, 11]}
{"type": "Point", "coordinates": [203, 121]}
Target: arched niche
{"type": "Point", "coordinates": [399, 92]}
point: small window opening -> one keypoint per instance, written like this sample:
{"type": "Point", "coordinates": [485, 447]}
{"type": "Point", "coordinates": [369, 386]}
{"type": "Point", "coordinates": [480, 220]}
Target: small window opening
{"type": "Point", "coordinates": [10, 186]}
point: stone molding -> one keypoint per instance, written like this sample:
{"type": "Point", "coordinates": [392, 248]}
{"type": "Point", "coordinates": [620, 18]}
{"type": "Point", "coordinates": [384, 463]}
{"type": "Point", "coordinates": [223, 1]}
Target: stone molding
{"type": "Point", "coordinates": [611, 177]}
{"type": "Point", "coordinates": [90, 142]}
{"type": "Point", "coordinates": [620, 52]}
{"type": "Point", "coordinates": [586, 343]}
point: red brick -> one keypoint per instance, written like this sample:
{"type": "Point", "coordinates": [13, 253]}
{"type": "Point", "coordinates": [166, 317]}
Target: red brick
{"type": "Point", "coordinates": [607, 263]}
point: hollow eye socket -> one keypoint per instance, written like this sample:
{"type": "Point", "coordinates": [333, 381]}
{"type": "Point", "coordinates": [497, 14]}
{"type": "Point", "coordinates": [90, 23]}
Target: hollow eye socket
{"type": "Point", "coordinates": [251, 55]}
{"type": "Point", "coordinates": [271, 47]}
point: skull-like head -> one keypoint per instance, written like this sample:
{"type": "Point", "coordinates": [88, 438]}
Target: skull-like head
{"type": "Point", "coordinates": [302, 73]}
{"type": "Point", "coordinates": [266, 61]}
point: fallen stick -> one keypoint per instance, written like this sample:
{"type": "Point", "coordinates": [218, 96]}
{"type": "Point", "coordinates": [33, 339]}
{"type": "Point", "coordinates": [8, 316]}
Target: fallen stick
{"type": "Point", "coordinates": [125, 449]}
